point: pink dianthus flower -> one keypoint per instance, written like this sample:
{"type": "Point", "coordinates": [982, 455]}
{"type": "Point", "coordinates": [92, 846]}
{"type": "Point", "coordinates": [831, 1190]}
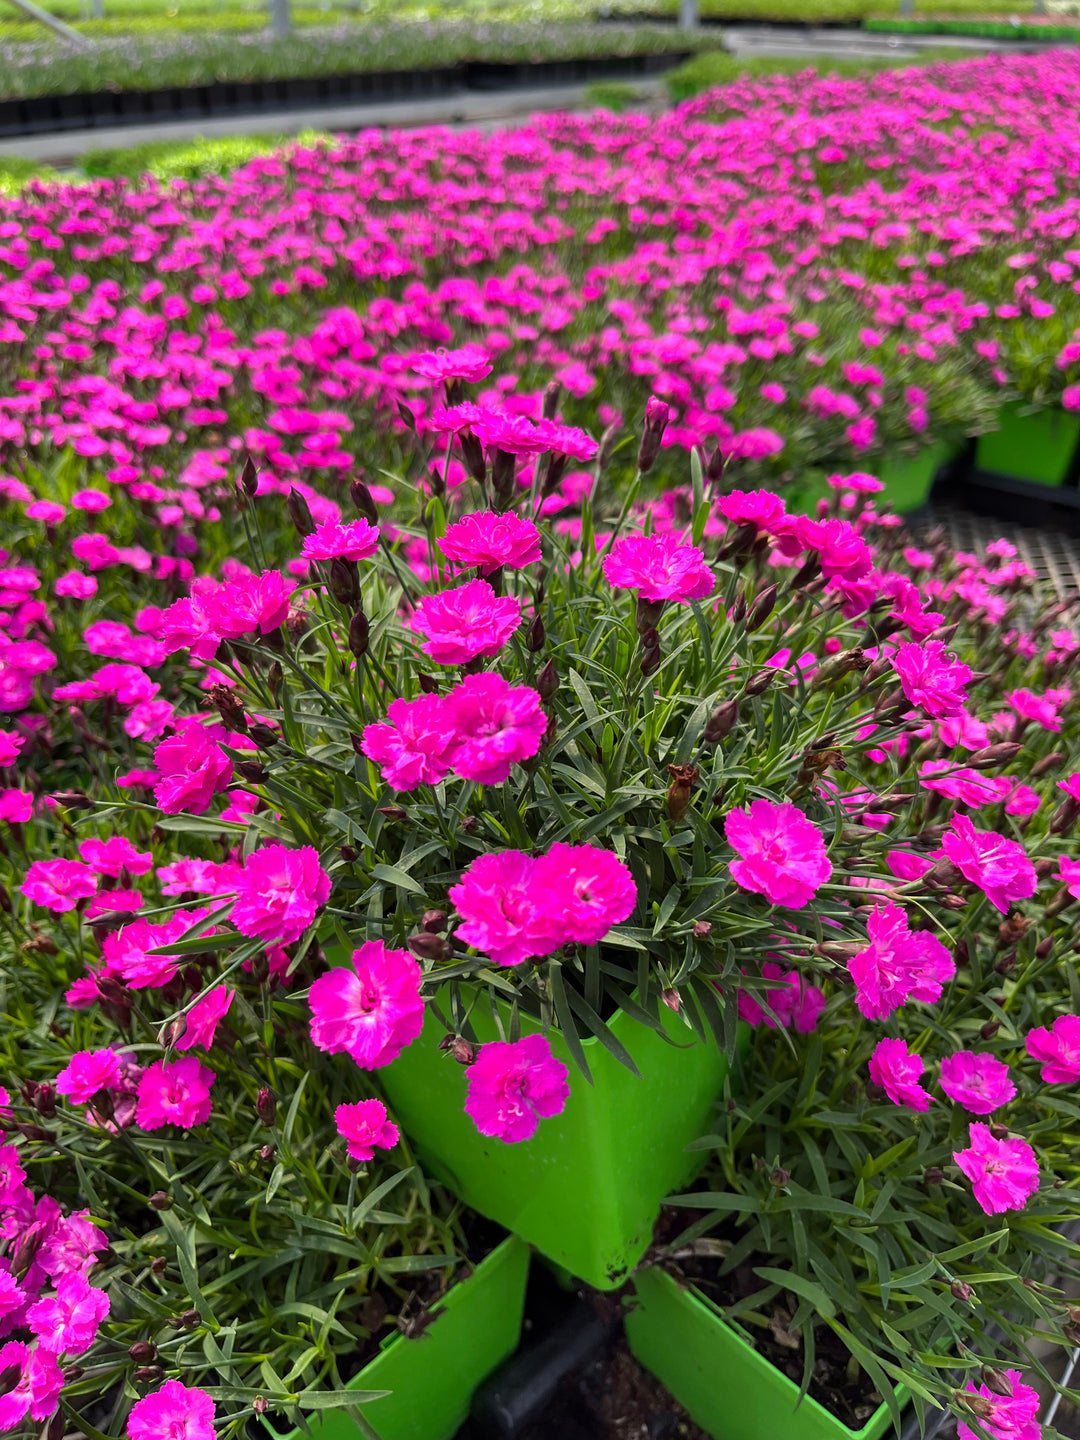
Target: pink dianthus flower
{"type": "Point", "coordinates": [87, 1072]}
{"type": "Point", "coordinates": [111, 856]}
{"type": "Point", "coordinates": [370, 1009]}
{"type": "Point", "coordinates": [365, 1128]}
{"type": "Point", "coordinates": [1057, 1050]}
{"type": "Point", "coordinates": [899, 964]}
{"type": "Point", "coordinates": [279, 892]}
{"type": "Point", "coordinates": [897, 1071]}
{"type": "Point", "coordinates": [251, 603]}
{"type": "Point", "coordinates": [1000, 868]}
{"type": "Point", "coordinates": [174, 1092]}
{"type": "Point", "coordinates": [204, 1017]}
{"type": "Point", "coordinates": [659, 567]}
{"type": "Point", "coordinates": [490, 541]}
{"type": "Point", "coordinates": [172, 1413]}
{"type": "Point", "coordinates": [1011, 1417]}
{"type": "Point", "coordinates": [38, 1387]}
{"type": "Point", "coordinates": [355, 541]}
{"type": "Point", "coordinates": [932, 679]}
{"type": "Point", "coordinates": [513, 1085]}
{"type": "Point", "coordinates": [792, 1000]}
{"type": "Point", "coordinates": [763, 508]}
{"type": "Point", "coordinates": [584, 890]}
{"type": "Point", "coordinates": [468, 621]}
{"type": "Point", "coordinates": [495, 725]}
{"type": "Point", "coordinates": [978, 1082]}
{"type": "Point", "coordinates": [1004, 1174]}
{"type": "Point", "coordinates": [470, 363]}
{"type": "Point", "coordinates": [68, 1324]}
{"type": "Point", "coordinates": [504, 913]}
{"type": "Point", "coordinates": [417, 744]}
{"type": "Point", "coordinates": [191, 769]}
{"type": "Point", "coordinates": [58, 885]}
{"type": "Point", "coordinates": [782, 854]}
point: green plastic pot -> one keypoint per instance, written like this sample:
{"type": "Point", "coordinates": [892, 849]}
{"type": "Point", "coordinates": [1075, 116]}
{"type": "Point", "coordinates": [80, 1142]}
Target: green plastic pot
{"type": "Point", "coordinates": [432, 1378]}
{"type": "Point", "coordinates": [713, 1370]}
{"type": "Point", "coordinates": [908, 480]}
{"type": "Point", "coordinates": [1039, 446]}
{"type": "Point", "coordinates": [586, 1189]}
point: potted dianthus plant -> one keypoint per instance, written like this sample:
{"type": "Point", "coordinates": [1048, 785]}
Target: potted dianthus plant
{"type": "Point", "coordinates": [1037, 436]}
{"type": "Point", "coordinates": [540, 794]}
{"type": "Point", "coordinates": [888, 1213]}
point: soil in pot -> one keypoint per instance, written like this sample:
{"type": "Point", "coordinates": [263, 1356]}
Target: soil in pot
{"type": "Point", "coordinates": [838, 1383]}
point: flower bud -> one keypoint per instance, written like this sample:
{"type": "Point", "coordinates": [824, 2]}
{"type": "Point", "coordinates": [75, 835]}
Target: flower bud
{"type": "Point", "coordinates": [547, 682]}
{"type": "Point", "coordinates": [840, 951]}
{"type": "Point", "coordinates": [264, 737]}
{"type": "Point", "coordinates": [552, 391]}
{"type": "Point", "coordinates": [1007, 964]}
{"type": "Point", "coordinates": [683, 779]}
{"type": "Point", "coordinates": [361, 498]}
{"type": "Point", "coordinates": [229, 708]}
{"type": "Point", "coordinates": [158, 1265]}
{"type": "Point", "coordinates": [762, 607]}
{"type": "Point", "coordinates": [1002, 754]}
{"type": "Point", "coordinates": [780, 1177]}
{"type": "Point", "coordinates": [147, 1374]}
{"type": "Point", "coordinates": [650, 659]}
{"type": "Point", "coordinates": [426, 946]}
{"type": "Point", "coordinates": [1048, 762]}
{"type": "Point", "coordinates": [189, 1319]}
{"type": "Point", "coordinates": [657, 415]}
{"type": "Point", "coordinates": [160, 1201]}
{"type": "Point", "coordinates": [738, 610]}
{"type": "Point", "coordinates": [349, 854]}
{"type": "Point", "coordinates": [45, 1100]}
{"type": "Point", "coordinates": [470, 824]}
{"type": "Point", "coordinates": [171, 1032]}
{"type": "Point", "coordinates": [535, 635]}
{"type": "Point", "coordinates": [503, 473]}
{"type": "Point", "coordinates": [990, 1029]}
{"type": "Point", "coordinates": [393, 812]}
{"type": "Point", "coordinates": [143, 1352]}
{"type": "Point", "coordinates": [702, 929]}
{"type": "Point", "coordinates": [359, 632]}
{"type": "Point", "coordinates": [252, 772]}
{"type": "Point", "coordinates": [299, 512]}
{"type": "Point", "coordinates": [249, 477]}
{"type": "Point", "coordinates": [759, 683]}
{"type": "Point", "coordinates": [345, 582]}
{"type": "Point", "coordinates": [259, 1405]}
{"type": "Point", "coordinates": [721, 722]}
{"type": "Point", "coordinates": [647, 616]}
{"type": "Point", "coordinates": [1045, 948]}
{"type": "Point", "coordinates": [463, 1051]}
{"type": "Point", "coordinates": [434, 921]}
{"type": "Point", "coordinates": [266, 1107]}
{"type": "Point", "coordinates": [274, 677]}
{"type": "Point", "coordinates": [472, 452]}
{"type": "Point", "coordinates": [56, 1427]}
{"type": "Point", "coordinates": [961, 1290]}
{"type": "Point", "coordinates": [807, 572]}
{"type": "Point", "coordinates": [73, 800]}
{"type": "Point", "coordinates": [998, 1130]}
{"type": "Point", "coordinates": [607, 446]}
{"type": "Point", "coordinates": [934, 1175]}
{"type": "Point", "coordinates": [1064, 817]}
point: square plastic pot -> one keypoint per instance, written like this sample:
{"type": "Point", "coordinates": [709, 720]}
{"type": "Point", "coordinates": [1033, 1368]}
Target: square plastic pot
{"type": "Point", "coordinates": [1040, 446]}
{"type": "Point", "coordinates": [728, 1388]}
{"type": "Point", "coordinates": [586, 1189]}
{"type": "Point", "coordinates": [908, 480]}
{"type": "Point", "coordinates": [432, 1378]}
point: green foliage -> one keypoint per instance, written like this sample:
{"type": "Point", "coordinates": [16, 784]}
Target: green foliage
{"type": "Point", "coordinates": [719, 67]}
{"type": "Point", "coordinates": [189, 160]}
{"type": "Point", "coordinates": [15, 173]}
{"type": "Point", "coordinates": [609, 95]}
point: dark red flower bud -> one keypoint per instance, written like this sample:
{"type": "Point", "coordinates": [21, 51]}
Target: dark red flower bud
{"type": "Point", "coordinates": [45, 1100]}
{"type": "Point", "coordinates": [434, 921]}
{"type": "Point", "coordinates": [259, 1405]}
{"type": "Point", "coordinates": [159, 1265]}
{"type": "Point", "coordinates": [427, 946]}
{"type": "Point", "coordinates": [762, 607]}
{"type": "Point", "coordinates": [934, 1175]}
{"type": "Point", "coordinates": [361, 498]}
{"type": "Point", "coordinates": [160, 1201]}
{"type": "Point", "coordinates": [264, 737]}
{"type": "Point", "coordinates": [962, 1290]}
{"type": "Point", "coordinates": [996, 1382]}
{"type": "Point", "coordinates": [552, 391]}
{"type": "Point", "coordinates": [547, 682]}
{"type": "Point", "coordinates": [607, 447]}
{"type": "Point", "coordinates": [252, 772]}
{"type": "Point", "coordinates": [359, 633]}
{"type": "Point", "coordinates": [266, 1106]}
{"type": "Point", "coordinates": [428, 684]}
{"type": "Point", "coordinates": [702, 930]}
{"type": "Point", "coordinates": [393, 812]}
{"type": "Point", "coordinates": [147, 1374]}
{"type": "Point", "coordinates": [721, 722]}
{"type": "Point", "coordinates": [299, 513]}
{"type": "Point", "coordinates": [1002, 754]}
{"type": "Point", "coordinates": [998, 1130]}
{"type": "Point", "coordinates": [759, 683]}
{"type": "Point", "coordinates": [657, 414]}
{"type": "Point", "coordinates": [143, 1352]}
{"type": "Point", "coordinates": [683, 780]}
{"type": "Point", "coordinates": [229, 708]}
{"type": "Point", "coordinates": [1048, 762]}
{"type": "Point", "coordinates": [535, 635]}
{"type": "Point", "coordinates": [780, 1177]}
{"type": "Point", "coordinates": [345, 582]}
{"type": "Point", "coordinates": [249, 477]}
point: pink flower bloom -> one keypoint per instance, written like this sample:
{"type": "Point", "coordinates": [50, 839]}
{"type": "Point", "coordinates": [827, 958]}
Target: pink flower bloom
{"type": "Point", "coordinates": [76, 585]}
{"type": "Point", "coordinates": [793, 1001]}
{"type": "Point", "coordinates": [370, 1011]}
{"type": "Point", "coordinates": [762, 508]}
{"type": "Point", "coordinates": [495, 725]}
{"type": "Point", "coordinates": [783, 854]}
{"type": "Point", "coordinates": [111, 856]}
{"type": "Point", "coordinates": [365, 1128]}
{"type": "Point", "coordinates": [470, 363]}
{"type": "Point", "coordinates": [69, 1323]}
{"type": "Point", "coordinates": [980, 1083]}
{"type": "Point", "coordinates": [1040, 708]}
{"type": "Point", "coordinates": [47, 511]}
{"type": "Point", "coordinates": [1004, 1174]}
{"type": "Point", "coordinates": [566, 440]}
{"type": "Point", "coordinates": [174, 1092]}
{"type": "Point", "coordinates": [87, 1072]}
{"type": "Point", "coordinates": [515, 1085]}
{"type": "Point", "coordinates": [584, 890]}
{"type": "Point", "coordinates": [16, 806]}
{"type": "Point", "coordinates": [999, 867]}
{"type": "Point", "coordinates": [38, 1387]}
{"type": "Point", "coordinates": [659, 567]}
{"type": "Point", "coordinates": [841, 550]}
{"type": "Point", "coordinates": [172, 1413]}
{"type": "Point", "coordinates": [1070, 874]}
{"type": "Point", "coordinates": [252, 603]}
{"type": "Point", "coordinates": [279, 892]}
{"type": "Point", "coordinates": [13, 1303]}
{"type": "Point", "coordinates": [899, 964]}
{"type": "Point", "coordinates": [10, 745]}
{"type": "Point", "coordinates": [504, 912]}
{"type": "Point", "coordinates": [1057, 1050]}
{"type": "Point", "coordinates": [1012, 1417]}
{"type": "Point", "coordinates": [204, 1017]}
{"type": "Point", "coordinates": [58, 885]}
{"type": "Point", "coordinates": [1071, 786]}
{"type": "Point", "coordinates": [356, 541]}
{"type": "Point", "coordinates": [191, 770]}
{"type": "Point", "coordinates": [111, 901]}
{"type": "Point", "coordinates": [12, 1175]}
{"type": "Point", "coordinates": [466, 622]}
{"type": "Point", "coordinates": [72, 1246]}
{"type": "Point", "coordinates": [931, 679]}
{"type": "Point", "coordinates": [907, 867]}
{"type": "Point", "coordinates": [416, 746]}
{"type": "Point", "coordinates": [128, 952]}
{"type": "Point", "coordinates": [512, 434]}
{"type": "Point", "coordinates": [202, 877]}
{"type": "Point", "coordinates": [897, 1071]}
{"type": "Point", "coordinates": [490, 541]}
